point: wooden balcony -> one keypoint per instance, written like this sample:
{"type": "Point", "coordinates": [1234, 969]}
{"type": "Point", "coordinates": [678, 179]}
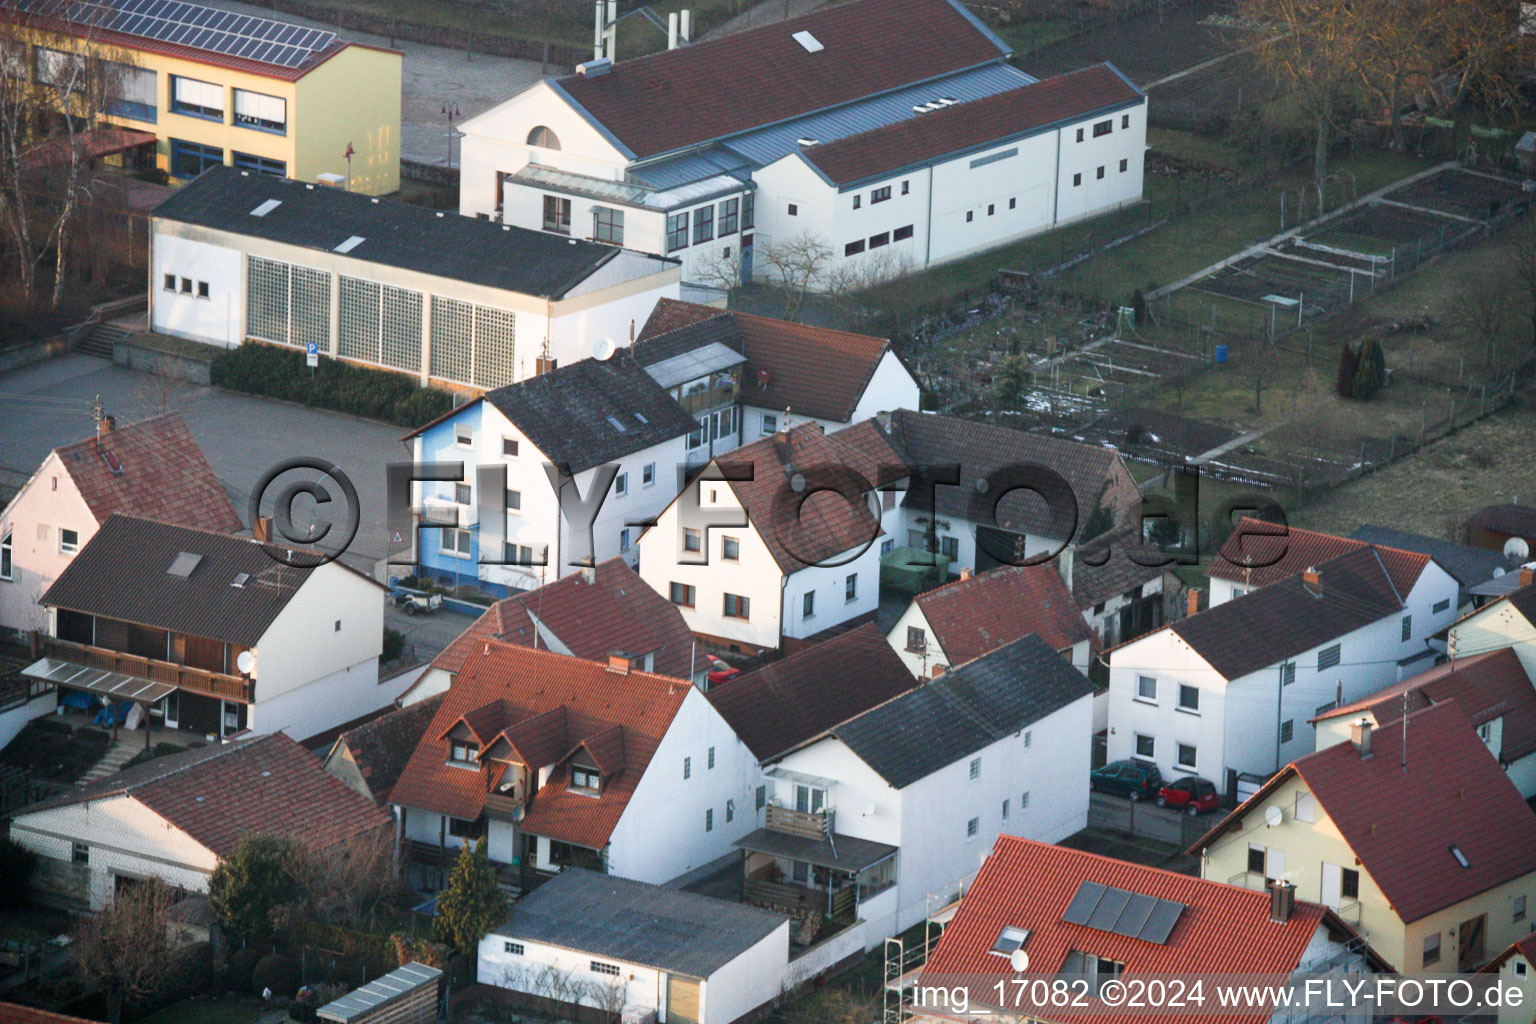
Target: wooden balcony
{"type": "Point", "coordinates": [183, 677]}
{"type": "Point", "coordinates": [808, 825]}
{"type": "Point", "coordinates": [503, 807]}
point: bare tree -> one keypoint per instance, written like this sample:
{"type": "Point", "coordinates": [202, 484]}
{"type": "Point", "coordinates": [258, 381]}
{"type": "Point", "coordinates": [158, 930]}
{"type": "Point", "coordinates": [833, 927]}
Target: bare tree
{"type": "Point", "coordinates": [1522, 265]}
{"type": "Point", "coordinates": [795, 265]}
{"type": "Point", "coordinates": [848, 282]}
{"type": "Point", "coordinates": [160, 389]}
{"type": "Point", "coordinates": [346, 883]}
{"type": "Point", "coordinates": [125, 949]}
{"type": "Point", "coordinates": [1486, 307]}
{"type": "Point", "coordinates": [723, 272]}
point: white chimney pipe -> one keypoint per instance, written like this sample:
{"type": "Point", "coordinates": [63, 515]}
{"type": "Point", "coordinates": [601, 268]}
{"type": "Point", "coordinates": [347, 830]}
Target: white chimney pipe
{"type": "Point", "coordinates": [685, 30]}
{"type": "Point", "coordinates": [612, 29]}
{"type": "Point", "coordinates": [672, 31]}
{"type": "Point", "coordinates": [597, 30]}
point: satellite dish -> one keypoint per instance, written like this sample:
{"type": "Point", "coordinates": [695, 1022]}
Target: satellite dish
{"type": "Point", "coordinates": [1019, 961]}
{"type": "Point", "coordinates": [1273, 817]}
{"type": "Point", "coordinates": [1516, 549]}
{"type": "Point", "coordinates": [1497, 573]}
{"type": "Point", "coordinates": [603, 349]}
{"type": "Point", "coordinates": [246, 662]}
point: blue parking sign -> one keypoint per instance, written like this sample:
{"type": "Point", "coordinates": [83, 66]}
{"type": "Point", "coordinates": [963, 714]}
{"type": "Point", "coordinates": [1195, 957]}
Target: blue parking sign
{"type": "Point", "coordinates": [312, 354]}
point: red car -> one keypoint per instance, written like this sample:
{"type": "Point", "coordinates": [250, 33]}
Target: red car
{"type": "Point", "coordinates": [720, 672]}
{"type": "Point", "coordinates": [1194, 794]}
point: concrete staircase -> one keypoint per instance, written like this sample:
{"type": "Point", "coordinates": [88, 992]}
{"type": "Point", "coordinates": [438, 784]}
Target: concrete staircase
{"type": "Point", "coordinates": [117, 755]}
{"type": "Point", "coordinates": [101, 339]}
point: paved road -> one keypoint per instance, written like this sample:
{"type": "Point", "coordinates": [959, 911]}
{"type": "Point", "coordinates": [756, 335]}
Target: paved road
{"type": "Point", "coordinates": [428, 634]}
{"type": "Point", "coordinates": [49, 404]}
{"type": "Point", "coordinates": [431, 76]}
{"type": "Point", "coordinates": [1164, 824]}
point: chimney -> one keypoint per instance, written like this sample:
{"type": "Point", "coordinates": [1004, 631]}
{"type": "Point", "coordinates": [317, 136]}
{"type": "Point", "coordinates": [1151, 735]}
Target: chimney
{"type": "Point", "coordinates": [1527, 573]}
{"type": "Point", "coordinates": [672, 31]}
{"type": "Point", "coordinates": [1360, 736]}
{"type": "Point", "coordinates": [1310, 577]}
{"type": "Point", "coordinates": [106, 425]}
{"type": "Point", "coordinates": [966, 572]}
{"type": "Point", "coordinates": [1064, 565]}
{"type": "Point", "coordinates": [1282, 900]}
{"type": "Point", "coordinates": [620, 662]}
{"type": "Point", "coordinates": [261, 529]}
{"type": "Point", "coordinates": [937, 671]}
{"type": "Point", "coordinates": [685, 26]}
{"type": "Point", "coordinates": [588, 573]}
{"type": "Point", "coordinates": [1192, 601]}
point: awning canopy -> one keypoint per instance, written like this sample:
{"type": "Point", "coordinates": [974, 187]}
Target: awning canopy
{"type": "Point", "coordinates": [841, 853]}
{"type": "Point", "coordinates": [800, 778]}
{"type": "Point", "coordinates": [114, 685]}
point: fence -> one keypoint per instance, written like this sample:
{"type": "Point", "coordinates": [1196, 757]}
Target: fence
{"type": "Point", "coordinates": [1146, 820]}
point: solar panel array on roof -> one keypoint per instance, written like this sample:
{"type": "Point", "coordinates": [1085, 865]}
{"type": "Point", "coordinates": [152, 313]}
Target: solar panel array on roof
{"type": "Point", "coordinates": [202, 28]}
{"type": "Point", "coordinates": [1106, 908]}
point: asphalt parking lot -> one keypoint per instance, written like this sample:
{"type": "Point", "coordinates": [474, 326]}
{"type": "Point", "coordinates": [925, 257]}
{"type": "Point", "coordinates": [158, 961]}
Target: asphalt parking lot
{"type": "Point", "coordinates": [49, 404]}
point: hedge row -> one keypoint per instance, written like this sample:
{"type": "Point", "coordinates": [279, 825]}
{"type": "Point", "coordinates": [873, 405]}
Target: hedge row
{"type": "Point", "coordinates": [281, 373]}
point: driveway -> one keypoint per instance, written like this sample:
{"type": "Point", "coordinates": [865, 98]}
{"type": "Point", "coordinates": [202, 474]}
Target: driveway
{"type": "Point", "coordinates": [1147, 820]}
{"type": "Point", "coordinates": [49, 404]}
{"type": "Point", "coordinates": [427, 634]}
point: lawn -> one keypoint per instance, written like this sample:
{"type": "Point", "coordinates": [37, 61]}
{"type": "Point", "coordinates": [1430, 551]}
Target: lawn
{"type": "Point", "coordinates": [205, 1011]}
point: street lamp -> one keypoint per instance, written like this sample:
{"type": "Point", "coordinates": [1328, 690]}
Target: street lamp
{"type": "Point", "coordinates": [451, 112]}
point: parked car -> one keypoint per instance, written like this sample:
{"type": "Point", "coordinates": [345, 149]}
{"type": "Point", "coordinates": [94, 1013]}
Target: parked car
{"type": "Point", "coordinates": [1194, 794]}
{"type": "Point", "coordinates": [1134, 779]}
{"type": "Point", "coordinates": [720, 672]}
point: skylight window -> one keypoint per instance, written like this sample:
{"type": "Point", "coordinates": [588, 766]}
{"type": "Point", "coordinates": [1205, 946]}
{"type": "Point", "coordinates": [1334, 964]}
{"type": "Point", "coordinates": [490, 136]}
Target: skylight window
{"type": "Point", "coordinates": [1461, 858]}
{"type": "Point", "coordinates": [350, 244]}
{"type": "Point", "coordinates": [182, 567]}
{"type": "Point", "coordinates": [1010, 939]}
{"type": "Point", "coordinates": [613, 421]}
{"type": "Point", "coordinates": [810, 42]}
{"type": "Point", "coordinates": [266, 207]}
{"type": "Point", "coordinates": [241, 579]}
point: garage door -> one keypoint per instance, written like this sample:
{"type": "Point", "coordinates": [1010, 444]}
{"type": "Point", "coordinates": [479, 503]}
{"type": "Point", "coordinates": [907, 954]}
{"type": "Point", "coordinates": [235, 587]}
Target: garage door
{"type": "Point", "coordinates": [682, 1000]}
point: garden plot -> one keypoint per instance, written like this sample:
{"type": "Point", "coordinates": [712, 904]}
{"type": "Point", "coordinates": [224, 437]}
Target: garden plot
{"type": "Point", "coordinates": [1470, 195]}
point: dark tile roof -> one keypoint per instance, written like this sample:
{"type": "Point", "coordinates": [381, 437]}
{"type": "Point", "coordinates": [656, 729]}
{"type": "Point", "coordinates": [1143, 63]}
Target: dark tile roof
{"type": "Point", "coordinates": [1515, 520]}
{"type": "Point", "coordinates": [1275, 622]}
{"type": "Point", "coordinates": [1468, 564]}
{"type": "Point", "coordinates": [807, 370]}
{"type": "Point", "coordinates": [1485, 686]}
{"type": "Point", "coordinates": [971, 617]}
{"type": "Point", "coordinates": [909, 737]}
{"type": "Point", "coordinates": [547, 703]}
{"type": "Point", "coordinates": [974, 125]}
{"type": "Point", "coordinates": [1288, 550]}
{"type": "Point", "coordinates": [840, 852]}
{"type": "Point", "coordinates": [381, 748]}
{"type": "Point", "coordinates": [781, 705]}
{"type": "Point", "coordinates": [827, 524]}
{"type": "Point", "coordinates": [980, 449]}
{"type": "Point", "coordinates": [615, 612]}
{"type": "Point", "coordinates": [670, 314]}
{"type": "Point", "coordinates": [151, 468]}
{"type": "Point", "coordinates": [656, 926]}
{"type": "Point", "coordinates": [566, 412]}
{"type": "Point", "coordinates": [1223, 929]}
{"type": "Point", "coordinates": [395, 234]}
{"type": "Point", "coordinates": [220, 793]}
{"type": "Point", "coordinates": [121, 574]}
{"type": "Point", "coordinates": [1117, 574]}
{"type": "Point", "coordinates": [724, 86]}
{"type": "Point", "coordinates": [1402, 823]}
{"type": "Point", "coordinates": [15, 1013]}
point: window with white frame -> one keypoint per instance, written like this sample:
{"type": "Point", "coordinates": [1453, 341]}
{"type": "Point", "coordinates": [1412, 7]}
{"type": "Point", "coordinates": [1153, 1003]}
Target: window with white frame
{"type": "Point", "coordinates": [975, 769]}
{"type": "Point", "coordinates": [972, 828]}
{"type": "Point", "coordinates": [598, 967]}
{"type": "Point", "coordinates": [1146, 746]}
{"type": "Point", "coordinates": [197, 99]}
{"type": "Point", "coordinates": [1146, 688]}
{"type": "Point", "coordinates": [1024, 801]}
{"type": "Point", "coordinates": [512, 948]}
{"type": "Point", "coordinates": [1189, 697]}
{"type": "Point", "coordinates": [1187, 756]}
{"type": "Point", "coordinates": [5, 556]}
{"type": "Point", "coordinates": [770, 424]}
{"type": "Point", "coordinates": [258, 110]}
{"type": "Point", "coordinates": [608, 225]}
{"type": "Point", "coordinates": [69, 541]}
{"type": "Point", "coordinates": [808, 604]}
{"type": "Point", "coordinates": [621, 483]}
{"type": "Point", "coordinates": [455, 542]}
{"type": "Point", "coordinates": [851, 588]}
{"type": "Point", "coordinates": [648, 474]}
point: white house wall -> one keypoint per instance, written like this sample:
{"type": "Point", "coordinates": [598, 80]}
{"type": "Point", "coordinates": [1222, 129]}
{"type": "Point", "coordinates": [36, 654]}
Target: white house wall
{"type": "Point", "coordinates": [125, 837]}
{"type": "Point", "coordinates": [303, 643]}
{"type": "Point", "coordinates": [496, 141]}
{"type": "Point", "coordinates": [919, 663]}
{"type": "Point", "coordinates": [48, 503]}
{"type": "Point", "coordinates": [828, 583]}
{"type": "Point", "coordinates": [890, 387]}
{"type": "Point", "coordinates": [779, 185]}
{"type": "Point", "coordinates": [1164, 656]}
{"type": "Point", "coordinates": [644, 987]}
{"type": "Point", "coordinates": [754, 977]}
{"type": "Point", "coordinates": [219, 318]}
{"type": "Point", "coordinates": [332, 700]}
{"type": "Point", "coordinates": [662, 832]}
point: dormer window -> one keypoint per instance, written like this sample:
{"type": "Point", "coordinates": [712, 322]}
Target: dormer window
{"type": "Point", "coordinates": [587, 780]}
{"type": "Point", "coordinates": [463, 752]}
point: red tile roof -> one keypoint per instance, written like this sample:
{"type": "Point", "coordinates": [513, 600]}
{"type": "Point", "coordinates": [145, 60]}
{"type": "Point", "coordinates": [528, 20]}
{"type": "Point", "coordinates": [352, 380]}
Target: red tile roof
{"type": "Point", "coordinates": [152, 468]}
{"type": "Point", "coordinates": [784, 703]}
{"type": "Point", "coordinates": [615, 612]}
{"type": "Point", "coordinates": [579, 700]}
{"type": "Point", "coordinates": [1290, 551]}
{"type": "Point", "coordinates": [971, 617]}
{"type": "Point", "coordinates": [1524, 946]}
{"type": "Point", "coordinates": [807, 370]}
{"type": "Point", "coordinates": [828, 524]}
{"type": "Point", "coordinates": [222, 793]}
{"type": "Point", "coordinates": [968, 126]}
{"type": "Point", "coordinates": [1486, 686]}
{"type": "Point", "coordinates": [708, 90]}
{"type": "Point", "coordinates": [1025, 884]}
{"type": "Point", "coordinates": [1401, 823]}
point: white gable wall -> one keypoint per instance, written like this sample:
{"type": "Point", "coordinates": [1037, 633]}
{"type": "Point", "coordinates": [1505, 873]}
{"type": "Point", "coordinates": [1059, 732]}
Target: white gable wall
{"type": "Point", "coordinates": [662, 832]}
{"type": "Point", "coordinates": [220, 318]}
{"type": "Point", "coordinates": [125, 837]}
{"type": "Point", "coordinates": [48, 503]}
{"type": "Point", "coordinates": [890, 387]}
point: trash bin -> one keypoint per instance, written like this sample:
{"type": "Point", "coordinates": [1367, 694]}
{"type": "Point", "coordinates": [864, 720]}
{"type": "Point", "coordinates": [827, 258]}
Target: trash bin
{"type": "Point", "coordinates": [1220, 353]}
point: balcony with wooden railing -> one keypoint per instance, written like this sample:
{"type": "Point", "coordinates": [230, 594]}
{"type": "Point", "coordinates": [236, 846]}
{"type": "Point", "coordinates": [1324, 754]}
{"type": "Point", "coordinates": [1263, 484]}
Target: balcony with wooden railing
{"type": "Point", "coordinates": [503, 806]}
{"type": "Point", "coordinates": [183, 677]}
{"type": "Point", "coordinates": [806, 824]}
